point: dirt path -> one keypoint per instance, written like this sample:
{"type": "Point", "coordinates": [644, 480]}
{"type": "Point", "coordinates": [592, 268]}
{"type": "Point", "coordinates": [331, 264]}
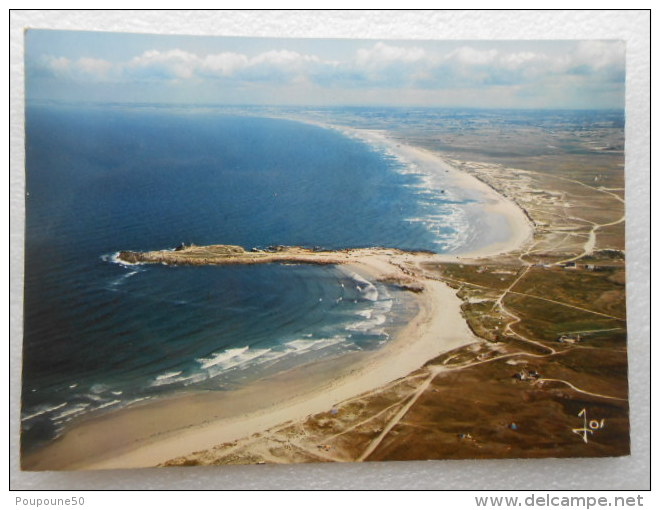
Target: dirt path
{"type": "Point", "coordinates": [398, 417]}
{"type": "Point", "coordinates": [573, 387]}
{"type": "Point", "coordinates": [498, 302]}
{"type": "Point", "coordinates": [568, 305]}
{"type": "Point", "coordinates": [590, 243]}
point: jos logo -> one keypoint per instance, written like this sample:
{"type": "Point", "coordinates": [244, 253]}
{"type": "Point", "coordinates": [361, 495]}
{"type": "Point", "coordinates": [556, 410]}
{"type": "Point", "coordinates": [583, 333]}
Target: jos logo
{"type": "Point", "coordinates": [588, 426]}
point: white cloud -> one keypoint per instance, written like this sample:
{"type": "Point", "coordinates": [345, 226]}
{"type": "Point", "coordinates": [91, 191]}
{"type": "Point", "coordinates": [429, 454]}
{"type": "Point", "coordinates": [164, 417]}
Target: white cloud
{"type": "Point", "coordinates": [383, 54]}
{"type": "Point", "coordinates": [600, 54]}
{"type": "Point", "coordinates": [223, 64]}
{"type": "Point", "coordinates": [521, 59]}
{"type": "Point", "coordinates": [169, 64]}
{"type": "Point", "coordinates": [470, 56]}
{"type": "Point", "coordinates": [381, 66]}
{"type": "Point", "coordinates": [181, 65]}
{"type": "Point", "coordinates": [284, 58]}
{"type": "Point", "coordinates": [84, 69]}
{"type": "Point", "coordinates": [95, 68]}
{"type": "Point", "coordinates": [58, 66]}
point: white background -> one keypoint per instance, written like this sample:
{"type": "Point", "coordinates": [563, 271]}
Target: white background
{"type": "Point", "coordinates": [615, 473]}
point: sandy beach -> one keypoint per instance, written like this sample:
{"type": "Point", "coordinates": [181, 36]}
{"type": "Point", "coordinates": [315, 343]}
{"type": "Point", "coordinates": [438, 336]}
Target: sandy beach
{"type": "Point", "coordinates": [152, 433]}
{"type": "Point", "coordinates": [503, 228]}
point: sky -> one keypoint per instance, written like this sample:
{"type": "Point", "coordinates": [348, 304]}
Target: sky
{"type": "Point", "coordinates": [119, 67]}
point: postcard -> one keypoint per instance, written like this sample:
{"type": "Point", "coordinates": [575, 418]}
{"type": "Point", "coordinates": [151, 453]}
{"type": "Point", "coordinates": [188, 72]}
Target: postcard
{"type": "Point", "coordinates": [255, 251]}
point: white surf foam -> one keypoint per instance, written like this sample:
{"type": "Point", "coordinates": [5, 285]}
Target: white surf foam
{"type": "Point", "coordinates": [222, 357]}
{"type": "Point", "coordinates": [168, 375]}
{"type": "Point", "coordinates": [114, 258]}
{"type": "Point", "coordinates": [445, 221]}
{"type": "Point", "coordinates": [71, 412]}
{"type": "Point", "coordinates": [367, 289]}
{"type": "Point", "coordinates": [43, 410]}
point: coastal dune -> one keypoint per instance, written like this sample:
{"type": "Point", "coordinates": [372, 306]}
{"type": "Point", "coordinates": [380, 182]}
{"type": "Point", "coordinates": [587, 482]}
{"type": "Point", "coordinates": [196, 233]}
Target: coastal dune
{"type": "Point", "coordinates": [151, 433]}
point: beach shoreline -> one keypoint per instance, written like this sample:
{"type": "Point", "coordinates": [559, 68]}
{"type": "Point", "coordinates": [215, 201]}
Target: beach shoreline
{"type": "Point", "coordinates": [519, 227]}
{"type": "Point", "coordinates": [203, 420]}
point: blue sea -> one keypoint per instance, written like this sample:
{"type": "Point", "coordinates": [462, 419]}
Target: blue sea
{"type": "Point", "coordinates": [100, 335]}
